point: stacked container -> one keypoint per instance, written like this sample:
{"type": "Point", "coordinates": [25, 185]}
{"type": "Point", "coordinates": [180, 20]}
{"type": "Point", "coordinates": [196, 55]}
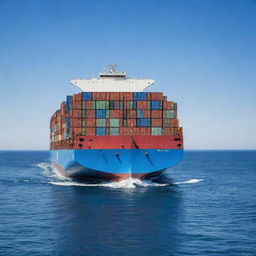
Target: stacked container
{"type": "Point", "coordinates": [114, 113]}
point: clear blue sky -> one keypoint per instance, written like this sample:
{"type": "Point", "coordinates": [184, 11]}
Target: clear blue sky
{"type": "Point", "coordinates": [202, 54]}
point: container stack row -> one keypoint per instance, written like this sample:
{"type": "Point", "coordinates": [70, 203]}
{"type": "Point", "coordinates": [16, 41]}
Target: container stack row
{"type": "Point", "coordinates": [114, 113]}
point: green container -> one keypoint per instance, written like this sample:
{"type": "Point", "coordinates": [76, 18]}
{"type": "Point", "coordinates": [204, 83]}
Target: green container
{"type": "Point", "coordinates": [83, 123]}
{"type": "Point", "coordinates": [113, 122]}
{"type": "Point", "coordinates": [156, 131]}
{"type": "Point", "coordinates": [83, 131]}
{"type": "Point", "coordinates": [107, 113]}
{"type": "Point", "coordinates": [113, 131]}
{"type": "Point", "coordinates": [83, 113]}
{"type": "Point", "coordinates": [169, 113]}
{"type": "Point", "coordinates": [149, 104]}
{"type": "Point", "coordinates": [83, 105]}
{"type": "Point", "coordinates": [100, 122]}
{"type": "Point", "coordinates": [121, 104]}
{"type": "Point", "coordinates": [102, 104]}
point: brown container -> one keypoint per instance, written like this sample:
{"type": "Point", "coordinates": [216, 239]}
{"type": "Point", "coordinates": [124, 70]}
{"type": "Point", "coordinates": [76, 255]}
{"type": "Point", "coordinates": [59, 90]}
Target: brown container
{"type": "Point", "coordinates": [115, 113]}
{"type": "Point", "coordinates": [77, 97]}
{"type": "Point", "coordinates": [169, 131]}
{"type": "Point", "coordinates": [142, 104]}
{"type": "Point", "coordinates": [90, 113]}
{"type": "Point", "coordinates": [169, 105]}
{"type": "Point", "coordinates": [155, 96]}
{"type": "Point", "coordinates": [156, 114]}
{"type": "Point", "coordinates": [100, 96]}
{"type": "Point", "coordinates": [121, 95]}
{"type": "Point", "coordinates": [75, 123]}
{"type": "Point", "coordinates": [131, 123]}
{"type": "Point", "coordinates": [170, 123]}
{"type": "Point", "coordinates": [90, 122]}
{"type": "Point", "coordinates": [156, 122]}
{"type": "Point", "coordinates": [131, 113]}
{"type": "Point", "coordinates": [114, 96]}
{"type": "Point", "coordinates": [89, 104]}
{"type": "Point", "coordinates": [77, 105]}
{"type": "Point", "coordinates": [90, 131]}
{"type": "Point", "coordinates": [77, 131]}
{"type": "Point", "coordinates": [76, 113]}
{"type": "Point", "coordinates": [147, 113]}
{"type": "Point", "coordinates": [144, 131]}
{"type": "Point", "coordinates": [127, 96]}
{"type": "Point", "coordinates": [63, 108]}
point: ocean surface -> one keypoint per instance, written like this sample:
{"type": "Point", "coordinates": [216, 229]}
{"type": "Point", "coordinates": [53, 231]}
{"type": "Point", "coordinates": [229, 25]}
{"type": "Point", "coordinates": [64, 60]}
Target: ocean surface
{"type": "Point", "coordinates": [208, 207]}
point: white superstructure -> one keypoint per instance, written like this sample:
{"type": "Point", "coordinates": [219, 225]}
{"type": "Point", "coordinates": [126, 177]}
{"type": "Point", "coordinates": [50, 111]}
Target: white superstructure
{"type": "Point", "coordinates": [112, 81]}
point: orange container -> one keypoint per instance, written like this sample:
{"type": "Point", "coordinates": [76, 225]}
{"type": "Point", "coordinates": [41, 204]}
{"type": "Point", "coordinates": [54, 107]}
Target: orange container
{"type": "Point", "coordinates": [156, 114]}
{"type": "Point", "coordinates": [141, 104]}
{"type": "Point", "coordinates": [90, 113]}
{"type": "Point", "coordinates": [131, 123]}
{"type": "Point", "coordinates": [156, 122]}
{"type": "Point", "coordinates": [100, 95]}
{"type": "Point", "coordinates": [127, 96]}
{"type": "Point", "coordinates": [114, 96]}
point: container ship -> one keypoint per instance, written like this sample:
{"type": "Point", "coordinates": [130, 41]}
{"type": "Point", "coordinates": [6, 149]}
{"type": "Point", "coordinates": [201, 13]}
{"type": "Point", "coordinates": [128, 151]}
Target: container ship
{"type": "Point", "coordinates": [114, 130]}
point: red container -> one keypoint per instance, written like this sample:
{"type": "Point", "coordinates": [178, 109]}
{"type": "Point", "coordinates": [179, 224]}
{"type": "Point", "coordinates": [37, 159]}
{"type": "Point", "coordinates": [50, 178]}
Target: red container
{"type": "Point", "coordinates": [146, 113]}
{"type": "Point", "coordinates": [169, 105]}
{"type": "Point", "coordinates": [114, 96]}
{"type": "Point", "coordinates": [90, 113]}
{"type": "Point", "coordinates": [76, 113]}
{"type": "Point", "coordinates": [63, 108]}
{"type": "Point", "coordinates": [77, 105]}
{"type": "Point", "coordinates": [143, 131]}
{"type": "Point", "coordinates": [169, 131]}
{"type": "Point", "coordinates": [107, 122]}
{"type": "Point", "coordinates": [115, 113]}
{"type": "Point", "coordinates": [75, 123]}
{"type": "Point", "coordinates": [121, 95]}
{"type": "Point", "coordinates": [170, 123]}
{"type": "Point", "coordinates": [90, 131]}
{"type": "Point", "coordinates": [155, 96]}
{"type": "Point", "coordinates": [90, 122]}
{"type": "Point", "coordinates": [142, 104]}
{"type": "Point", "coordinates": [156, 114]}
{"type": "Point", "coordinates": [127, 96]}
{"type": "Point", "coordinates": [156, 122]}
{"type": "Point", "coordinates": [77, 97]}
{"type": "Point", "coordinates": [100, 95]}
{"type": "Point", "coordinates": [89, 104]}
{"type": "Point", "coordinates": [131, 123]}
{"type": "Point", "coordinates": [131, 113]}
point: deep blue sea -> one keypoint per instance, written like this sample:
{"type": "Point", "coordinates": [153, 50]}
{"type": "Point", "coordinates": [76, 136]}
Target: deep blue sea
{"type": "Point", "coordinates": [208, 208]}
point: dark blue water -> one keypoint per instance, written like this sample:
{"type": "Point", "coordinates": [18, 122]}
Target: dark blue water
{"type": "Point", "coordinates": [209, 210]}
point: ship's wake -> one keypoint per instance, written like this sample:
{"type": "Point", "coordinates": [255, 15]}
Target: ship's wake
{"type": "Point", "coordinates": [55, 178]}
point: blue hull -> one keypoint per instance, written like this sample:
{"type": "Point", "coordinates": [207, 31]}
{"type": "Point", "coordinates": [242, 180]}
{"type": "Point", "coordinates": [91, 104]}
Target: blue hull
{"type": "Point", "coordinates": [114, 164]}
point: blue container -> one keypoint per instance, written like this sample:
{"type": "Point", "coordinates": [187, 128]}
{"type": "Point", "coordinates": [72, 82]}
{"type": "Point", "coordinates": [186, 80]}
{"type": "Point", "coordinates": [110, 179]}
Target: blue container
{"type": "Point", "coordinates": [100, 113]}
{"type": "Point", "coordinates": [100, 131]}
{"type": "Point", "coordinates": [143, 122]}
{"type": "Point", "coordinates": [156, 104]}
{"type": "Point", "coordinates": [68, 122]}
{"type": "Point", "coordinates": [87, 95]}
{"type": "Point", "coordinates": [139, 96]}
{"type": "Point", "coordinates": [140, 113]}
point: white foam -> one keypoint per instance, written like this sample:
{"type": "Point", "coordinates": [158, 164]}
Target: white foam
{"type": "Point", "coordinates": [128, 183]}
{"type": "Point", "coordinates": [191, 181]}
{"type": "Point", "coordinates": [50, 171]}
